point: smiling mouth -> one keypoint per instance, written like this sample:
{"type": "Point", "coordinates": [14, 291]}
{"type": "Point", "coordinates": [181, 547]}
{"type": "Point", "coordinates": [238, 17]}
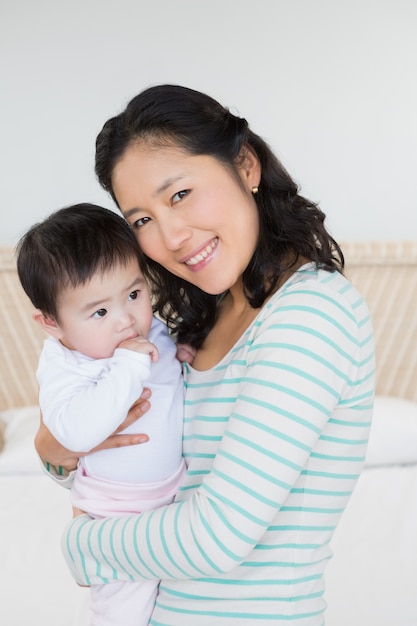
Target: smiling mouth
{"type": "Point", "coordinates": [203, 253]}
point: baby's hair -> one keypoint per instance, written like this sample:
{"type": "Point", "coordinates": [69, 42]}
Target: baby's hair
{"type": "Point", "coordinates": [68, 248]}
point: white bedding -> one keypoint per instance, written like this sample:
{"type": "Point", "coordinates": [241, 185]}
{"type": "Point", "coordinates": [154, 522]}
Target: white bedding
{"type": "Point", "coordinates": [35, 587]}
{"type": "Point", "coordinates": [371, 580]}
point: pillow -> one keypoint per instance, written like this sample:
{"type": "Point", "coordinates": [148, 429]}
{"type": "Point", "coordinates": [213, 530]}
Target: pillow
{"type": "Point", "coordinates": [19, 455]}
{"type": "Point", "coordinates": [393, 436]}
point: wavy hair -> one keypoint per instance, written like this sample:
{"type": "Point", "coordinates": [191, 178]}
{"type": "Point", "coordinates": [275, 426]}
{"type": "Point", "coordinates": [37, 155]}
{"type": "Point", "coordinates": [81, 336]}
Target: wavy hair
{"type": "Point", "coordinates": [291, 226]}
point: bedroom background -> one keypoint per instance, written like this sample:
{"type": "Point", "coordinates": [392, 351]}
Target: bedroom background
{"type": "Point", "coordinates": [332, 86]}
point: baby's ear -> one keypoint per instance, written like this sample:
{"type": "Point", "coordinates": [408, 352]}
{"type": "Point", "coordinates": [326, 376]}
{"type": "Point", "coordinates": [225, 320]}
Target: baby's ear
{"type": "Point", "coordinates": [47, 323]}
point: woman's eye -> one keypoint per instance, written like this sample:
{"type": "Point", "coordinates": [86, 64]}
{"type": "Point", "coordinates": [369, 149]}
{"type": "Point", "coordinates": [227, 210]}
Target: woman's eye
{"type": "Point", "coordinates": [179, 195]}
{"type": "Point", "coordinates": [141, 222]}
{"type": "Point", "coordinates": [100, 313]}
{"type": "Point", "coordinates": [134, 294]}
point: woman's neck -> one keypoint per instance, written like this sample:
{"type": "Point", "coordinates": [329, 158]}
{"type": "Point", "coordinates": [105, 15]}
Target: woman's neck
{"type": "Point", "coordinates": [234, 317]}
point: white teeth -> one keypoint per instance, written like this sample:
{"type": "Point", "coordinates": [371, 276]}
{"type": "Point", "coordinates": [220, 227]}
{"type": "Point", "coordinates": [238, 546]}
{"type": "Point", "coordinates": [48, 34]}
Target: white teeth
{"type": "Point", "coordinates": [202, 255]}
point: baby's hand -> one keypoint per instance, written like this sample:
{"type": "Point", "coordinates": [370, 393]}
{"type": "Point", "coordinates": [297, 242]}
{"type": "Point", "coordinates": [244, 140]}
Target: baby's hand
{"type": "Point", "coordinates": [142, 345]}
{"type": "Point", "coordinates": [186, 353]}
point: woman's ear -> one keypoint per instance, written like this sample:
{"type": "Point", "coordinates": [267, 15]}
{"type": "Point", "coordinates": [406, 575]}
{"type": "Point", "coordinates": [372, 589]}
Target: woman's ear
{"type": "Point", "coordinates": [249, 167]}
{"type": "Point", "coordinates": [47, 323]}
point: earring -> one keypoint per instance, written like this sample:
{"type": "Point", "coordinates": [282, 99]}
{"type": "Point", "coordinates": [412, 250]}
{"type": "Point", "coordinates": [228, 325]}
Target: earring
{"type": "Point", "coordinates": [255, 190]}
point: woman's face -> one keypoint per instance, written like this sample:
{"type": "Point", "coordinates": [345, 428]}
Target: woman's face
{"type": "Point", "coordinates": [189, 213]}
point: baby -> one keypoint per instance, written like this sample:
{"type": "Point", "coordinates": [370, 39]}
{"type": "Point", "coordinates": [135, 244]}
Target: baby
{"type": "Point", "coordinates": [81, 268]}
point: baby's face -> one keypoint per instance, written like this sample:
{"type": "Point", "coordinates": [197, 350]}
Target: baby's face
{"type": "Point", "coordinates": [94, 318]}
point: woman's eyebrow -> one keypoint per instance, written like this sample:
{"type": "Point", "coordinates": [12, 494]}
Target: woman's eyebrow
{"type": "Point", "coordinates": [163, 187]}
{"type": "Point", "coordinates": [167, 183]}
{"type": "Point", "coordinates": [130, 212]}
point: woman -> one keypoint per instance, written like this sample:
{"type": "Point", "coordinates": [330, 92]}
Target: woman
{"type": "Point", "coordinates": [278, 398]}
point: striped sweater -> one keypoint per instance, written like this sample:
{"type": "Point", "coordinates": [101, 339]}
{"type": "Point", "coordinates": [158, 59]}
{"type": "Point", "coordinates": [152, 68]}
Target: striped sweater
{"type": "Point", "coordinates": [275, 437]}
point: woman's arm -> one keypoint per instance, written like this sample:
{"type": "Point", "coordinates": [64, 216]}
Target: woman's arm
{"type": "Point", "coordinates": [304, 359]}
{"type": "Point", "coordinates": [49, 448]}
{"type": "Point", "coordinates": [57, 456]}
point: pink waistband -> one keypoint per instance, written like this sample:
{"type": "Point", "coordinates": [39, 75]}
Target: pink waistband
{"type": "Point", "coordinates": [102, 498]}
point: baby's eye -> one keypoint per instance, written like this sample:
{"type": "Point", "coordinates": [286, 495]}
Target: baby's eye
{"type": "Point", "coordinates": [134, 294]}
{"type": "Point", "coordinates": [140, 222]}
{"type": "Point", "coordinates": [100, 313]}
{"type": "Point", "coordinates": [179, 195]}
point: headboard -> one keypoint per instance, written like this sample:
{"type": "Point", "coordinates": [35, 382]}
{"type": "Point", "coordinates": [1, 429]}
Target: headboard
{"type": "Point", "coordinates": [20, 339]}
{"type": "Point", "coordinates": [384, 272]}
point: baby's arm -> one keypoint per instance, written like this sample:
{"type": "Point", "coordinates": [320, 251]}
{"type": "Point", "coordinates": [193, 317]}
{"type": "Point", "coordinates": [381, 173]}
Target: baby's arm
{"type": "Point", "coordinates": [82, 410]}
{"type": "Point", "coordinates": [61, 462]}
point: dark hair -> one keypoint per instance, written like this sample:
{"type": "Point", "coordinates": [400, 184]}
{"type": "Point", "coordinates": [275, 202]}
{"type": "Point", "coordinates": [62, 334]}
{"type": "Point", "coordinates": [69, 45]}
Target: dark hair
{"type": "Point", "coordinates": [291, 226]}
{"type": "Point", "coordinates": [68, 247]}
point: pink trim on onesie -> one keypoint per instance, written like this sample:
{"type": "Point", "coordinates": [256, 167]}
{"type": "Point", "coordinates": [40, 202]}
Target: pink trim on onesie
{"type": "Point", "coordinates": [103, 498]}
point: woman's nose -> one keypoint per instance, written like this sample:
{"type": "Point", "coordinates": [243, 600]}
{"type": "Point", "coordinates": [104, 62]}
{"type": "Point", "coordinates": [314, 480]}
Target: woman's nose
{"type": "Point", "coordinates": [174, 233]}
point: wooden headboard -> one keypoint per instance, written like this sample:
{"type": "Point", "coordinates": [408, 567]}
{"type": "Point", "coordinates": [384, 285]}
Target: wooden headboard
{"type": "Point", "coordinates": [20, 339]}
{"type": "Point", "coordinates": [384, 272]}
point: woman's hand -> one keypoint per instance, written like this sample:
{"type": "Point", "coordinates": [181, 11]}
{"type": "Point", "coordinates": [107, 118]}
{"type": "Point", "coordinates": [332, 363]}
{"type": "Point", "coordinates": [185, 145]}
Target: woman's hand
{"type": "Point", "coordinates": [76, 512]}
{"type": "Point", "coordinates": [186, 353]}
{"type": "Point", "coordinates": [53, 452]}
{"type": "Point", "coordinates": [50, 450]}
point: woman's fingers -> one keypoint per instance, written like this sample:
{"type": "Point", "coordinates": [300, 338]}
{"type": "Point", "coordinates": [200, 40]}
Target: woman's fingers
{"type": "Point", "coordinates": [129, 439]}
{"type": "Point", "coordinates": [136, 410]}
{"type": "Point", "coordinates": [186, 353]}
{"type": "Point", "coordinates": [120, 441]}
{"type": "Point", "coordinates": [50, 450]}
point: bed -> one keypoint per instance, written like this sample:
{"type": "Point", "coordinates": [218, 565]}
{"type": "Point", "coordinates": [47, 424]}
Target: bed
{"type": "Point", "coordinates": [372, 577]}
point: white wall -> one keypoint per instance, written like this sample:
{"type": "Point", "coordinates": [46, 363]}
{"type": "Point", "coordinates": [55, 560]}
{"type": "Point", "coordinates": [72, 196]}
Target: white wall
{"type": "Point", "coordinates": [331, 84]}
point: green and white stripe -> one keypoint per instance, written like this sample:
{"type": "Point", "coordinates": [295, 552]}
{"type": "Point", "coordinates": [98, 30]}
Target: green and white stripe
{"type": "Point", "coordinates": [275, 439]}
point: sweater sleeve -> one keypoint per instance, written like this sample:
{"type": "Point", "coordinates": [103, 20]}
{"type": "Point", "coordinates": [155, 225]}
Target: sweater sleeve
{"type": "Point", "coordinates": [301, 365]}
{"type": "Point", "coordinates": [81, 408]}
